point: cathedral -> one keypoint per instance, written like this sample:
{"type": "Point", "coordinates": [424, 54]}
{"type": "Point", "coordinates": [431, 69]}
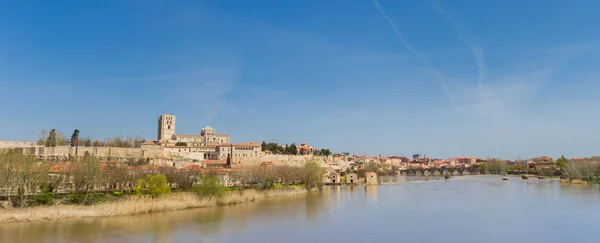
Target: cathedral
{"type": "Point", "coordinates": [207, 137]}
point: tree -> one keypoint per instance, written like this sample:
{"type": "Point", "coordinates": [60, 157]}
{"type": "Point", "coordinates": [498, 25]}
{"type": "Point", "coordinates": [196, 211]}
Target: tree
{"type": "Point", "coordinates": [86, 175]}
{"type": "Point", "coordinates": [313, 175]}
{"type": "Point", "coordinates": [293, 149]}
{"type": "Point", "coordinates": [29, 176]}
{"type": "Point", "coordinates": [87, 142]}
{"type": "Point", "coordinates": [8, 164]}
{"type": "Point", "coordinates": [157, 185]}
{"type": "Point", "coordinates": [181, 144]}
{"type": "Point", "coordinates": [43, 138]}
{"type": "Point", "coordinates": [51, 141]}
{"type": "Point", "coordinates": [286, 149]}
{"type": "Point", "coordinates": [561, 164]}
{"type": "Point", "coordinates": [61, 139]}
{"type": "Point", "coordinates": [324, 152]}
{"type": "Point", "coordinates": [263, 146]}
{"type": "Point", "coordinates": [371, 167]}
{"type": "Point", "coordinates": [117, 176]}
{"type": "Point", "coordinates": [75, 139]}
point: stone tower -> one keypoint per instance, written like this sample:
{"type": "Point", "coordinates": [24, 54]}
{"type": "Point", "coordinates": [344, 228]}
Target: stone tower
{"type": "Point", "coordinates": [166, 127]}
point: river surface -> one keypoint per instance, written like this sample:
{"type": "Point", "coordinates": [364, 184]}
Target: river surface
{"type": "Point", "coordinates": [464, 209]}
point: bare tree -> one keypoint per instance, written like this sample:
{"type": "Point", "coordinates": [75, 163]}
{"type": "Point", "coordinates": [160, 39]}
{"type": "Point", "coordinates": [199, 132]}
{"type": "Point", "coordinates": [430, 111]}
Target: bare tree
{"type": "Point", "coordinates": [118, 176]}
{"type": "Point", "coordinates": [86, 175]}
{"type": "Point", "coordinates": [8, 164]}
{"type": "Point", "coordinates": [30, 175]}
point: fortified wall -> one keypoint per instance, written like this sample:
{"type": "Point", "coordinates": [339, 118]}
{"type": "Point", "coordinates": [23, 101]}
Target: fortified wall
{"type": "Point", "coordinates": [279, 158]}
{"type": "Point", "coordinates": [16, 144]}
{"type": "Point", "coordinates": [100, 152]}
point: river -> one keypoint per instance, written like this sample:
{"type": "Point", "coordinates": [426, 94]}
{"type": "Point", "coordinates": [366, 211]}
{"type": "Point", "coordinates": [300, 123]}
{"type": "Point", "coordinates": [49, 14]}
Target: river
{"type": "Point", "coordinates": [464, 209]}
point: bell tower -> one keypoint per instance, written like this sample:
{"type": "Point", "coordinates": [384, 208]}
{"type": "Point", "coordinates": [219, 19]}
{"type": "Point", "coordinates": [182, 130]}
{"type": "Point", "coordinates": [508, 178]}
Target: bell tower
{"type": "Point", "coordinates": [166, 127]}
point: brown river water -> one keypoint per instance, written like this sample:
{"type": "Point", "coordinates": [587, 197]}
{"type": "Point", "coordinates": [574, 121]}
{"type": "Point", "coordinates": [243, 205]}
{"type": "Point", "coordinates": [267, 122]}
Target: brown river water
{"type": "Point", "coordinates": [464, 209]}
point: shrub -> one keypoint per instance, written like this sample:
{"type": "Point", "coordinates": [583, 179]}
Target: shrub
{"type": "Point", "coordinates": [447, 176]}
{"type": "Point", "coordinates": [116, 193]}
{"type": "Point", "coordinates": [209, 187]}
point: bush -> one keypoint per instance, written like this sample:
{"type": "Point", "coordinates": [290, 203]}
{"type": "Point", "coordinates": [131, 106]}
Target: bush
{"type": "Point", "coordinates": [447, 176]}
{"type": "Point", "coordinates": [45, 197]}
{"type": "Point", "coordinates": [116, 193]}
{"type": "Point", "coordinates": [209, 187]}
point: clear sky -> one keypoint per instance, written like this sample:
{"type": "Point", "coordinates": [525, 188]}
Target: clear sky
{"type": "Point", "coordinates": [508, 78]}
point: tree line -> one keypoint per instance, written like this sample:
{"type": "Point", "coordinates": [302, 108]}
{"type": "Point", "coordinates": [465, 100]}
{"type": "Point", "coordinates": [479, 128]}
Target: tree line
{"type": "Point", "coordinates": [291, 149]}
{"type": "Point", "coordinates": [27, 181]}
{"type": "Point", "coordinates": [55, 138]}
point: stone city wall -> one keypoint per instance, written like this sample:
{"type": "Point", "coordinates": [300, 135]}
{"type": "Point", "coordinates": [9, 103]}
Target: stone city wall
{"type": "Point", "coordinates": [279, 158]}
{"type": "Point", "coordinates": [100, 152]}
{"type": "Point", "coordinates": [15, 144]}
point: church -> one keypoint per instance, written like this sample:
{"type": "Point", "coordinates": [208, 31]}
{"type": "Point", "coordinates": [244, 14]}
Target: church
{"type": "Point", "coordinates": [207, 145]}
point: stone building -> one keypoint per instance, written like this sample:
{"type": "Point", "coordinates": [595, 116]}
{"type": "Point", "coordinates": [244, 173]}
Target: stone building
{"type": "Point", "coordinates": [211, 145]}
{"type": "Point", "coordinates": [207, 137]}
{"type": "Point", "coordinates": [166, 127]}
{"type": "Point", "coordinates": [351, 178]}
{"type": "Point", "coordinates": [371, 178]}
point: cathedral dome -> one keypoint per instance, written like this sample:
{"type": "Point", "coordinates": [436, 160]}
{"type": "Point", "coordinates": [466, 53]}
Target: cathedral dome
{"type": "Point", "coordinates": [207, 131]}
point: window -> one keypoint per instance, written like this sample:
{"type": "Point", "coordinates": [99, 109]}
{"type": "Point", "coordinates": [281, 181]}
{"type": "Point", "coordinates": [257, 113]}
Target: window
{"type": "Point", "coordinates": [169, 127]}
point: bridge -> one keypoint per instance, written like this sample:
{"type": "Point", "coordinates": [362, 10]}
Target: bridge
{"type": "Point", "coordinates": [441, 170]}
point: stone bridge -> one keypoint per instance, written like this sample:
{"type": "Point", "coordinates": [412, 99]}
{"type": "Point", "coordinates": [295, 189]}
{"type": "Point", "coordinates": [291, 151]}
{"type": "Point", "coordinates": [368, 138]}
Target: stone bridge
{"type": "Point", "coordinates": [441, 170]}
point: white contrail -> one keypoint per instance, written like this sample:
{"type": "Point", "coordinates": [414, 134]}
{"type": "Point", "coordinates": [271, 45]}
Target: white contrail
{"type": "Point", "coordinates": [413, 50]}
{"type": "Point", "coordinates": [475, 48]}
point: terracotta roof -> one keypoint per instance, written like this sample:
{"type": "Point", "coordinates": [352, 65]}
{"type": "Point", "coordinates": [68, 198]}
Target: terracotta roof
{"type": "Point", "coordinates": [191, 166]}
{"type": "Point", "coordinates": [62, 167]}
{"type": "Point", "coordinates": [214, 162]}
{"type": "Point", "coordinates": [171, 146]}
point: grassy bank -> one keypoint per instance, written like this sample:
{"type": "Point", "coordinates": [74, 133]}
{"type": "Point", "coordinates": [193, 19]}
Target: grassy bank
{"type": "Point", "coordinates": [139, 205]}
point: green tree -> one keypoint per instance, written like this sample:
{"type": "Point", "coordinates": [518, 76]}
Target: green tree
{"type": "Point", "coordinates": [325, 152]}
{"type": "Point", "coordinates": [371, 167]}
{"type": "Point", "coordinates": [286, 149]}
{"type": "Point", "coordinates": [293, 149]}
{"type": "Point", "coordinates": [263, 146]}
{"type": "Point", "coordinates": [51, 141]}
{"type": "Point", "coordinates": [86, 175]}
{"type": "Point", "coordinates": [209, 187]}
{"type": "Point", "coordinates": [313, 175]}
{"type": "Point", "coordinates": [157, 185]}
{"type": "Point", "coordinates": [561, 164]}
{"type": "Point", "coordinates": [75, 139]}
{"type": "Point", "coordinates": [181, 144]}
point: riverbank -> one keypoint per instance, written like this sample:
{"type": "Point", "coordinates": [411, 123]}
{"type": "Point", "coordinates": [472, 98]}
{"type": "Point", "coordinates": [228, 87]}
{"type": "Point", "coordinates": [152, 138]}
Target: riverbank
{"type": "Point", "coordinates": [139, 205]}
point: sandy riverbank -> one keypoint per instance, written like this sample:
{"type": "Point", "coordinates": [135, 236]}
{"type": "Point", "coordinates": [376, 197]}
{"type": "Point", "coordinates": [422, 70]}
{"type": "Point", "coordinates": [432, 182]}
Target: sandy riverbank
{"type": "Point", "coordinates": [137, 205]}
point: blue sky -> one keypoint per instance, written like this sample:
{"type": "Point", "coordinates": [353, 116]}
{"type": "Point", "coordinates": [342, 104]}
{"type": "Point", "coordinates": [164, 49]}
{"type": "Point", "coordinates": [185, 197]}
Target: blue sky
{"type": "Point", "coordinates": [516, 78]}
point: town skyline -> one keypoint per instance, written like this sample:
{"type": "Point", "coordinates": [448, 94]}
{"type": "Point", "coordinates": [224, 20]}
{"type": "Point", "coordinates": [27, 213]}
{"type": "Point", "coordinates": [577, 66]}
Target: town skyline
{"type": "Point", "coordinates": [441, 78]}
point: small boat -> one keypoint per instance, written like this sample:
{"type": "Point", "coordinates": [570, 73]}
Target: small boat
{"type": "Point", "coordinates": [524, 177]}
{"type": "Point", "coordinates": [541, 177]}
{"type": "Point", "coordinates": [505, 179]}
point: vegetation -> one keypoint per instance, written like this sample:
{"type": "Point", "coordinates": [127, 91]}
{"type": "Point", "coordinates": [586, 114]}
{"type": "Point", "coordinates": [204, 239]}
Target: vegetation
{"type": "Point", "coordinates": [209, 187]}
{"type": "Point", "coordinates": [181, 144]}
{"type": "Point", "coordinates": [56, 138]}
{"type": "Point", "coordinates": [290, 149]}
{"type": "Point", "coordinates": [27, 181]}
{"type": "Point", "coordinates": [586, 170]}
{"type": "Point", "coordinates": [313, 175]}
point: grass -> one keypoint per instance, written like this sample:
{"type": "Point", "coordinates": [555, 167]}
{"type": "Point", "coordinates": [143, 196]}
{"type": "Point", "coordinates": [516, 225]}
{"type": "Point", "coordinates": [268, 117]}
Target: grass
{"type": "Point", "coordinates": [138, 205]}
